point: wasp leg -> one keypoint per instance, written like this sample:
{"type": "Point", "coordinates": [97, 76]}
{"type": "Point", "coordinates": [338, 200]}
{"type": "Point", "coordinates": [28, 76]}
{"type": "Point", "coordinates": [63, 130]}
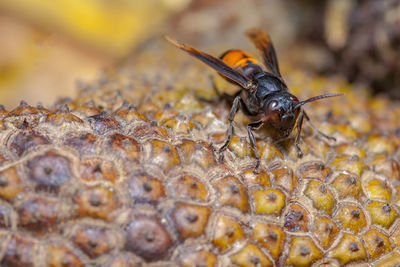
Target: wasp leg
{"type": "Point", "coordinates": [250, 127]}
{"type": "Point", "coordinates": [316, 129]}
{"type": "Point", "coordinates": [232, 114]}
{"type": "Point", "coordinates": [297, 139]}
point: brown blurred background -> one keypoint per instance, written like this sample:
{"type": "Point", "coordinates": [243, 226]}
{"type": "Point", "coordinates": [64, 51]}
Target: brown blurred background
{"type": "Point", "coordinates": [47, 47]}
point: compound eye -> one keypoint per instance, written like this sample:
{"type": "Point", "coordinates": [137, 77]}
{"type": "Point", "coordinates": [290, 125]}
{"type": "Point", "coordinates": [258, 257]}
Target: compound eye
{"type": "Point", "coordinates": [272, 106]}
{"type": "Point", "coordinates": [294, 99]}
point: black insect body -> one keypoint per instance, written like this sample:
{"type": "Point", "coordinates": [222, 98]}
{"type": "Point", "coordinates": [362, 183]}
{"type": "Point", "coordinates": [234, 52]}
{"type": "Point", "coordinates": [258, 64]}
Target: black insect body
{"type": "Point", "coordinates": [264, 94]}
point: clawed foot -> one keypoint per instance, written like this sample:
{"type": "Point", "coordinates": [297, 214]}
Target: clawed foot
{"type": "Point", "coordinates": [220, 156]}
{"type": "Point", "coordinates": [256, 168]}
{"type": "Point", "coordinates": [220, 153]}
{"type": "Point", "coordinates": [330, 137]}
{"type": "Point", "coordinates": [299, 152]}
{"type": "Point", "coordinates": [325, 135]}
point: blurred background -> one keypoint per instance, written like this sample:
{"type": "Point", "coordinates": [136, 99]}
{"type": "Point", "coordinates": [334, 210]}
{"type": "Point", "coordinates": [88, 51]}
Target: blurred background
{"type": "Point", "coordinates": [47, 47]}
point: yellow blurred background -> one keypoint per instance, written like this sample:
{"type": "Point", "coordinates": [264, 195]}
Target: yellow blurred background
{"type": "Point", "coordinates": [46, 46]}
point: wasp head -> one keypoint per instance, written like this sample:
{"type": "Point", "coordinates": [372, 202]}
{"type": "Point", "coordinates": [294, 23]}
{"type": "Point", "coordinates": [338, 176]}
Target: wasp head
{"type": "Point", "coordinates": [282, 109]}
{"type": "Point", "coordinates": [281, 112]}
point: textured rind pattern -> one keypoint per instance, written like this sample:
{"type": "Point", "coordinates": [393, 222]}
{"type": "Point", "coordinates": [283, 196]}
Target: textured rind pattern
{"type": "Point", "coordinates": [130, 177]}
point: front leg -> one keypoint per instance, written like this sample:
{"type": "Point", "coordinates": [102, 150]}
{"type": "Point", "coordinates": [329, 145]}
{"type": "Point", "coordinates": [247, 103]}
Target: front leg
{"type": "Point", "coordinates": [250, 127]}
{"type": "Point", "coordinates": [297, 139]}
{"type": "Point", "coordinates": [234, 109]}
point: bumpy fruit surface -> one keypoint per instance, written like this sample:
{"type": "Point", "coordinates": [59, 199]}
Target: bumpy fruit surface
{"type": "Point", "coordinates": [127, 174]}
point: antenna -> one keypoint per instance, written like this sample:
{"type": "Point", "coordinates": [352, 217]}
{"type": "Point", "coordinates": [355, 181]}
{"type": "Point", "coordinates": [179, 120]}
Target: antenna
{"type": "Point", "coordinates": [316, 98]}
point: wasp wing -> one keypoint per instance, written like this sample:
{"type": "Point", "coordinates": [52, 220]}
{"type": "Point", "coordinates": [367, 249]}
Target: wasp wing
{"type": "Point", "coordinates": [263, 43]}
{"type": "Point", "coordinates": [217, 64]}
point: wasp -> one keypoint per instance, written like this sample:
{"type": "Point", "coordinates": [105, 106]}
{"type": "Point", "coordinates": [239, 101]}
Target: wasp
{"type": "Point", "coordinates": [264, 94]}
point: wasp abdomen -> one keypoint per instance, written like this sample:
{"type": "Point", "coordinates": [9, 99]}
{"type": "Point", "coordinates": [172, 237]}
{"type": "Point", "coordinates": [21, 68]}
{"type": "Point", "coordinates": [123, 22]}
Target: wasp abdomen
{"type": "Point", "coordinates": [238, 59]}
